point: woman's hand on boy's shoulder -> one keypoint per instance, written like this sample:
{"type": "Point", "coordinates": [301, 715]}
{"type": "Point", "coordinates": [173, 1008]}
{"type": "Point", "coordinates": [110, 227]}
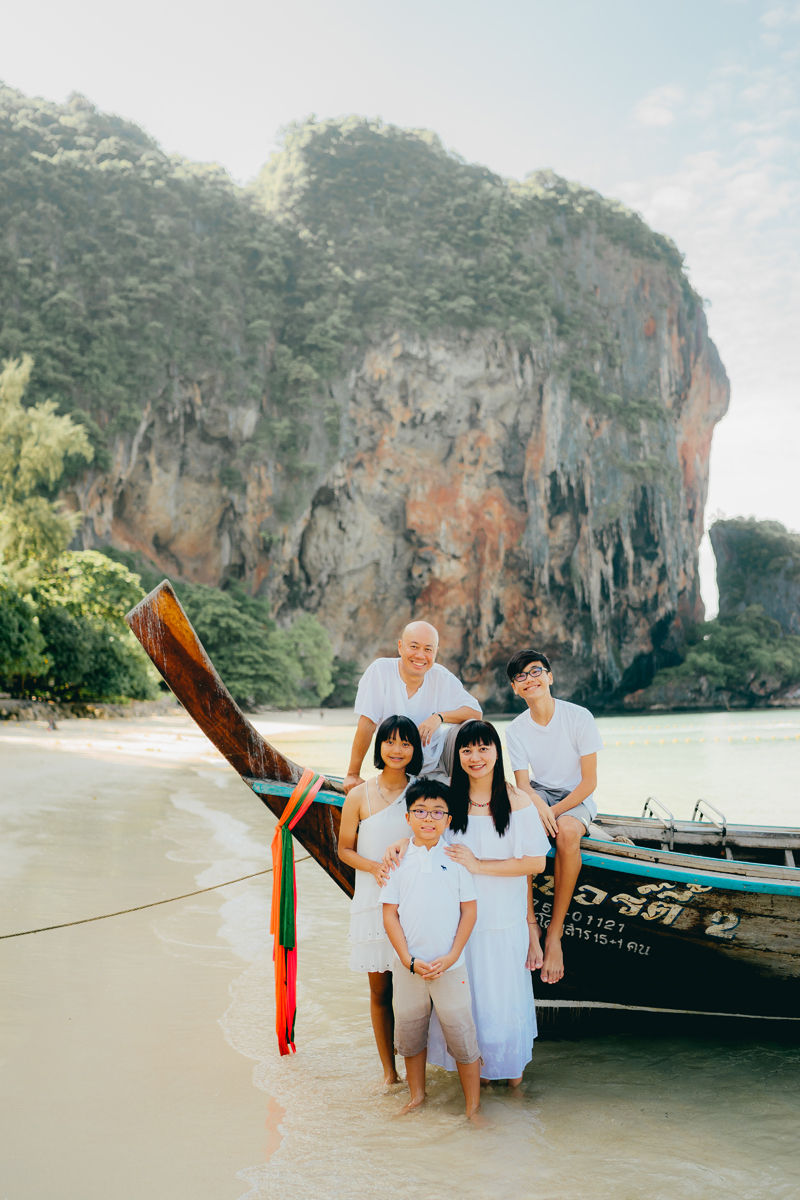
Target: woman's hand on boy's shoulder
{"type": "Point", "coordinates": [462, 855]}
{"type": "Point", "coordinates": [393, 855]}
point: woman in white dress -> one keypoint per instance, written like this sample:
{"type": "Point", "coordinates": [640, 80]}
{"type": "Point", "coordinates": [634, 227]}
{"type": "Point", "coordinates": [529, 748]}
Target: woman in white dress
{"type": "Point", "coordinates": [496, 833]}
{"type": "Point", "coordinates": [373, 817]}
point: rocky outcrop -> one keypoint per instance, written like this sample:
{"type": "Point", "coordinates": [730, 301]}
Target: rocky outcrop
{"type": "Point", "coordinates": [472, 486]}
{"type": "Point", "coordinates": [676, 695]}
{"type": "Point", "coordinates": [758, 562]}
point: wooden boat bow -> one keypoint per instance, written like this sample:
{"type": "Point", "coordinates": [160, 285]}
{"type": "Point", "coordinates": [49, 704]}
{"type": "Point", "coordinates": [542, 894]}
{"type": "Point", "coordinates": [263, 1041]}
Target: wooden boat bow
{"type": "Point", "coordinates": [166, 633]}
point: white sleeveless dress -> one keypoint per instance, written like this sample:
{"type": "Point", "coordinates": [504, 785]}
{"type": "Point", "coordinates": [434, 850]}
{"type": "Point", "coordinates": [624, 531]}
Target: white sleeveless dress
{"type": "Point", "coordinates": [371, 949]}
{"type": "Point", "coordinates": [502, 995]}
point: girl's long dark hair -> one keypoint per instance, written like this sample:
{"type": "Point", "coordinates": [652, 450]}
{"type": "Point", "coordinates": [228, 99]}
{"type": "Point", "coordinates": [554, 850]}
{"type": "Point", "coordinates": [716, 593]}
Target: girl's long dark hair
{"type": "Point", "coordinates": [478, 733]}
{"type": "Point", "coordinates": [408, 732]}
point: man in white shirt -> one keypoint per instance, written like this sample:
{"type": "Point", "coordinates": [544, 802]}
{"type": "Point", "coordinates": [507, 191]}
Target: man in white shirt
{"type": "Point", "coordinates": [558, 742]}
{"type": "Point", "coordinates": [415, 686]}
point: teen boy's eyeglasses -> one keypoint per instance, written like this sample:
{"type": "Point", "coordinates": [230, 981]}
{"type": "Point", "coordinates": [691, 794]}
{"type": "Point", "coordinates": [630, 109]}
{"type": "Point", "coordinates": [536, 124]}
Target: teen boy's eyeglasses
{"type": "Point", "coordinates": [534, 673]}
{"type": "Point", "coordinates": [435, 814]}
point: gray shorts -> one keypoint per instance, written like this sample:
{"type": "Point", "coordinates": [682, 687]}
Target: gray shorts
{"type": "Point", "coordinates": [450, 995]}
{"type": "Point", "coordinates": [443, 769]}
{"type": "Point", "coordinates": [584, 812]}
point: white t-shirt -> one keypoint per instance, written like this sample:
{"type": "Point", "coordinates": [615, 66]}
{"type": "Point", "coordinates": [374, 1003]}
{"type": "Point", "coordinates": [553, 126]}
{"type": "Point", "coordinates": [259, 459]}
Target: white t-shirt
{"type": "Point", "coordinates": [429, 888]}
{"type": "Point", "coordinates": [382, 694]}
{"type": "Point", "coordinates": [553, 751]}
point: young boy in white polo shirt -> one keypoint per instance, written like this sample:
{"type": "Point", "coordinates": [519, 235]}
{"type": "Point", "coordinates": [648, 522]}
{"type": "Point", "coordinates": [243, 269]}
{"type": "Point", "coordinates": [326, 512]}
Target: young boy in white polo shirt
{"type": "Point", "coordinates": [429, 910]}
{"type": "Point", "coordinates": [558, 742]}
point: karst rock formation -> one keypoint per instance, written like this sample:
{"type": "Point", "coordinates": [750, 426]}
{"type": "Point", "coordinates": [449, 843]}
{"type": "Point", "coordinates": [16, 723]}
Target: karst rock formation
{"type": "Point", "coordinates": [380, 384]}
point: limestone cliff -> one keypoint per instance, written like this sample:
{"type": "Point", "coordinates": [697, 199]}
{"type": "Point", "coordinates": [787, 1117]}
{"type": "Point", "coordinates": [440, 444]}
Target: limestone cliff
{"type": "Point", "coordinates": [380, 383]}
{"type": "Point", "coordinates": [473, 489]}
{"type": "Point", "coordinates": [470, 487]}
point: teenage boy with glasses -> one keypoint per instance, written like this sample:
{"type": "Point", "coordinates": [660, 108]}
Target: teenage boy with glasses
{"type": "Point", "coordinates": [558, 742]}
{"type": "Point", "coordinates": [430, 906]}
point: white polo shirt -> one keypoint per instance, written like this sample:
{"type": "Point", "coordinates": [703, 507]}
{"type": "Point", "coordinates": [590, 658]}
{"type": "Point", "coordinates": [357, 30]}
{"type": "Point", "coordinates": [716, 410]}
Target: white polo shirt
{"type": "Point", "coordinates": [428, 888]}
{"type": "Point", "coordinates": [382, 694]}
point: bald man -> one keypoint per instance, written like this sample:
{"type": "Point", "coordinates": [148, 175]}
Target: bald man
{"type": "Point", "coordinates": [415, 686]}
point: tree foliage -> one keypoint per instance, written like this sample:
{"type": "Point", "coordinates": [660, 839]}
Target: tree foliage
{"type": "Point", "coordinates": [747, 654]}
{"type": "Point", "coordinates": [34, 444]}
{"type": "Point", "coordinates": [21, 641]}
{"type": "Point", "coordinates": [259, 662]}
{"type": "Point", "coordinates": [62, 636]}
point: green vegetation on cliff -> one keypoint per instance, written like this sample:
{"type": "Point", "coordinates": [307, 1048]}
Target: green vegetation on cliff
{"type": "Point", "coordinates": [748, 656]}
{"type": "Point", "coordinates": [133, 278]}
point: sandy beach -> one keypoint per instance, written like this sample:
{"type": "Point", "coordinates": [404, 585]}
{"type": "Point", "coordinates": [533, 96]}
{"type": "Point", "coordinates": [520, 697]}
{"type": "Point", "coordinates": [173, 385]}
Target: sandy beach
{"type": "Point", "coordinates": [139, 1057]}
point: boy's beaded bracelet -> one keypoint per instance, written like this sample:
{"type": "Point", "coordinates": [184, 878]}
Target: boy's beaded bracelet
{"type": "Point", "coordinates": [411, 968]}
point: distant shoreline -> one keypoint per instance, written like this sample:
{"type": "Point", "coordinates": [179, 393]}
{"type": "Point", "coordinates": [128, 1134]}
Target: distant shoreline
{"type": "Point", "coordinates": [63, 710]}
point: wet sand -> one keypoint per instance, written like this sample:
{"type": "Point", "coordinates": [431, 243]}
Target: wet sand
{"type": "Point", "coordinates": [116, 1080]}
{"type": "Point", "coordinates": [139, 1053]}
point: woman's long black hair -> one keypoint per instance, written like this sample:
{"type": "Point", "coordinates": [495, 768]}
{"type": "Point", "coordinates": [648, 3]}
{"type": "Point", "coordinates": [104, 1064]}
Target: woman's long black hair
{"type": "Point", "coordinates": [408, 732]}
{"type": "Point", "coordinates": [479, 733]}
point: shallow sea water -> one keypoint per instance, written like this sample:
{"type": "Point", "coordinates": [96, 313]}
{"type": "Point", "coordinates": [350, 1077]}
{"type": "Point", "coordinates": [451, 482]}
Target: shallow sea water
{"type": "Point", "coordinates": [139, 1056]}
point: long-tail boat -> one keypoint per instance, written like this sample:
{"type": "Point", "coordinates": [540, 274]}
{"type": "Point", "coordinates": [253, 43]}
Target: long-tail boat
{"type": "Point", "coordinates": [696, 918]}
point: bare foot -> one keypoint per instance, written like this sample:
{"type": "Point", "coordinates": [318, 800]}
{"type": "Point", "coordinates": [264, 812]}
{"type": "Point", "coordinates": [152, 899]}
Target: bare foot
{"type": "Point", "coordinates": [412, 1104]}
{"type": "Point", "coordinates": [478, 1121]}
{"type": "Point", "coordinates": [535, 957]}
{"type": "Point", "coordinates": [388, 1085]}
{"type": "Point", "coordinates": [553, 966]}
{"type": "Point", "coordinates": [514, 1083]}
{"type": "Point", "coordinates": [391, 1078]}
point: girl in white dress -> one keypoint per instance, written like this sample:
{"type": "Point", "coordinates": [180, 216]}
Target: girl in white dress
{"type": "Point", "coordinates": [373, 817]}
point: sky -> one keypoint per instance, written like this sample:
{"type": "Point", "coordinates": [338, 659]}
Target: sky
{"type": "Point", "coordinates": [688, 111]}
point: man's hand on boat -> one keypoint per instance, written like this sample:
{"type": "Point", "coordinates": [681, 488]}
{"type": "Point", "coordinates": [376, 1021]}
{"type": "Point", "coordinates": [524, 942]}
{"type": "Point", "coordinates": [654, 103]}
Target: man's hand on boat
{"type": "Point", "coordinates": [393, 854]}
{"type": "Point", "coordinates": [351, 781]}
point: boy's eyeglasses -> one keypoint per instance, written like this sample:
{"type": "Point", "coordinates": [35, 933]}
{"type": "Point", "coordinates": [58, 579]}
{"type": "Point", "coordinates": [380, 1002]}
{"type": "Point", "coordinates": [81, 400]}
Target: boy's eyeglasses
{"type": "Point", "coordinates": [435, 814]}
{"type": "Point", "coordinates": [534, 673]}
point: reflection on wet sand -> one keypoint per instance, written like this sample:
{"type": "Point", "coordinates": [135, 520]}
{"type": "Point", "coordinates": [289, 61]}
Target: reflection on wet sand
{"type": "Point", "coordinates": [119, 1081]}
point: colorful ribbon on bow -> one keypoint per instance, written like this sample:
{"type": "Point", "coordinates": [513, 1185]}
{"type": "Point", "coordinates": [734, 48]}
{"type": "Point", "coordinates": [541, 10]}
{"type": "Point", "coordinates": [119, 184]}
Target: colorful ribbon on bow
{"type": "Point", "coordinates": [284, 909]}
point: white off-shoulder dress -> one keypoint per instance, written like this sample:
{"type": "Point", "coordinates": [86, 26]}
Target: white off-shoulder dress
{"type": "Point", "coordinates": [502, 995]}
{"type": "Point", "coordinates": [371, 949]}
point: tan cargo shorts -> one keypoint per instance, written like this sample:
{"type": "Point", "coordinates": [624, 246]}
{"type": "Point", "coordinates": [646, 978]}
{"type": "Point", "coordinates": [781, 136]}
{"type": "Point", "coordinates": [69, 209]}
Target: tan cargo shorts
{"type": "Point", "coordinates": [450, 995]}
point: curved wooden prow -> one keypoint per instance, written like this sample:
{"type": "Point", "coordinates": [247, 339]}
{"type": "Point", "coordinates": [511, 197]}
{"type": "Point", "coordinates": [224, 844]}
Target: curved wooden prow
{"type": "Point", "coordinates": [166, 633]}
